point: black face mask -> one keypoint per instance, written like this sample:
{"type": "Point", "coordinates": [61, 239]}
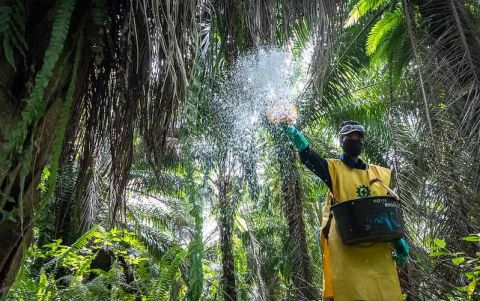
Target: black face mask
{"type": "Point", "coordinates": [353, 148]}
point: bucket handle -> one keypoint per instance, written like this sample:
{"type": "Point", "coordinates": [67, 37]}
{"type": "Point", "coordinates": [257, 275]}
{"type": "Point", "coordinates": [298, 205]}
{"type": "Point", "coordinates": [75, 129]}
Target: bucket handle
{"type": "Point", "coordinates": [326, 228]}
{"type": "Point", "coordinates": [390, 190]}
{"type": "Point", "coordinates": [377, 180]}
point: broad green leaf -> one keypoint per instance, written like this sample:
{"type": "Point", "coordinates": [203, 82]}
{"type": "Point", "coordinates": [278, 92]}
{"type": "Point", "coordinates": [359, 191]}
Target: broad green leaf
{"type": "Point", "coordinates": [458, 260]}
{"type": "Point", "coordinates": [440, 242]}
{"type": "Point", "coordinates": [471, 287]}
{"type": "Point", "coordinates": [472, 238]}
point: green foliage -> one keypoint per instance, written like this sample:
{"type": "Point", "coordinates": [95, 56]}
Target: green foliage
{"type": "Point", "coordinates": [153, 229]}
{"type": "Point", "coordinates": [82, 272]}
{"type": "Point", "coordinates": [242, 270]}
{"type": "Point", "coordinates": [469, 267]}
{"type": "Point", "coordinates": [366, 76]}
{"type": "Point", "coordinates": [381, 32]}
{"type": "Point", "coordinates": [36, 104]}
{"type": "Point", "coordinates": [35, 107]}
{"type": "Point", "coordinates": [12, 29]}
{"type": "Point", "coordinates": [196, 247]}
{"type": "Point", "coordinates": [387, 40]}
{"type": "Point", "coordinates": [361, 8]}
{"type": "Point", "coordinates": [50, 173]}
{"type": "Point", "coordinates": [170, 264]}
{"type": "Point", "coordinates": [62, 123]}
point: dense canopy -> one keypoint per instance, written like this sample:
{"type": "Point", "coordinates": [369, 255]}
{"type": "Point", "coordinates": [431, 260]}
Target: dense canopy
{"type": "Point", "coordinates": [137, 162]}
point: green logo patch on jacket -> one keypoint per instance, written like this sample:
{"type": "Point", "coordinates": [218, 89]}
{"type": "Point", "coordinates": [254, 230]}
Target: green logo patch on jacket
{"type": "Point", "coordinates": [363, 191]}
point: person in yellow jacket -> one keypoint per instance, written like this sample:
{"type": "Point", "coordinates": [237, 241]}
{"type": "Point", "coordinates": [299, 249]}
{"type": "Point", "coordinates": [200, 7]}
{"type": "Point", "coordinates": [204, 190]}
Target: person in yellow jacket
{"type": "Point", "coordinates": [365, 271]}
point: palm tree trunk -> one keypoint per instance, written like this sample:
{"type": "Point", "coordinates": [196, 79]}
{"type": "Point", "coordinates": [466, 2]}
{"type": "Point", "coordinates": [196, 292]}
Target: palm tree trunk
{"type": "Point", "coordinates": [20, 175]}
{"type": "Point", "coordinates": [226, 230]}
{"type": "Point", "coordinates": [302, 276]}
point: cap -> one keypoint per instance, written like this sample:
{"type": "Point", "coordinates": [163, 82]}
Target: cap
{"type": "Point", "coordinates": [348, 127]}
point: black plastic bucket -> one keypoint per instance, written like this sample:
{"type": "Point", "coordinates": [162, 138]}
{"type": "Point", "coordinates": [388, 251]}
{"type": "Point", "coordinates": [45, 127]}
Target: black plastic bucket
{"type": "Point", "coordinates": [370, 219]}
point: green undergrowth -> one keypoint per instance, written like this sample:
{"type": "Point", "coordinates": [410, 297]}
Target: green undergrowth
{"type": "Point", "coordinates": [101, 265]}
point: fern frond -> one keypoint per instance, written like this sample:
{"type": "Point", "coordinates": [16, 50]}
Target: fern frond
{"type": "Point", "coordinates": [60, 130]}
{"type": "Point", "coordinates": [35, 108]}
{"type": "Point", "coordinates": [169, 268]}
{"type": "Point", "coordinates": [12, 30]}
{"type": "Point", "coordinates": [43, 292]}
{"type": "Point", "coordinates": [81, 242]}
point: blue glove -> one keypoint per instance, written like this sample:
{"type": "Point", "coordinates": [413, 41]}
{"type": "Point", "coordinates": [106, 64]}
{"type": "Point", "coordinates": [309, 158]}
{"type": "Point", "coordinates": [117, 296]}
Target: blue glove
{"type": "Point", "coordinates": [297, 138]}
{"type": "Point", "coordinates": [402, 250]}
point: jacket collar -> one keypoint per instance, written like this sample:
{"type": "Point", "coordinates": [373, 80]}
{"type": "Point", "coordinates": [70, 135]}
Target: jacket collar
{"type": "Point", "coordinates": [352, 164]}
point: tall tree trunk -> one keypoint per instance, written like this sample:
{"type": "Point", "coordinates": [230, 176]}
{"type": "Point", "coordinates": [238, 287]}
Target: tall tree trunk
{"type": "Point", "coordinates": [302, 276]}
{"type": "Point", "coordinates": [224, 186]}
{"type": "Point", "coordinates": [19, 180]}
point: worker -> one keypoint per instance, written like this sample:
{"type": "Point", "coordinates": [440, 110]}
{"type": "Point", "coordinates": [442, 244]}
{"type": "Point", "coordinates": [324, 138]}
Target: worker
{"type": "Point", "coordinates": [365, 271]}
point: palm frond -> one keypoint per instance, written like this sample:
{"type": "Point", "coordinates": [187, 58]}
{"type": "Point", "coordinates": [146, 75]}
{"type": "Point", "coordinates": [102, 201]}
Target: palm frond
{"type": "Point", "coordinates": [361, 8]}
{"type": "Point", "coordinates": [382, 29]}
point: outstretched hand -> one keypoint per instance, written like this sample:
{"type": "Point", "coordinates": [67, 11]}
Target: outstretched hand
{"type": "Point", "coordinates": [296, 137]}
{"type": "Point", "coordinates": [282, 113]}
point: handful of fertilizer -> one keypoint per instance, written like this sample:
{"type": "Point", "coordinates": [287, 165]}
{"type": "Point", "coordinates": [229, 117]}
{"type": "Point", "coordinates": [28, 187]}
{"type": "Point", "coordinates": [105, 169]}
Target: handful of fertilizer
{"type": "Point", "coordinates": [282, 112]}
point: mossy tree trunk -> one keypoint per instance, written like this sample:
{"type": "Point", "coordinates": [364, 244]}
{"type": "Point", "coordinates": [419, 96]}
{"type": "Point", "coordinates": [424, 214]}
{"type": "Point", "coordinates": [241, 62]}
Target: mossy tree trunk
{"type": "Point", "coordinates": [22, 166]}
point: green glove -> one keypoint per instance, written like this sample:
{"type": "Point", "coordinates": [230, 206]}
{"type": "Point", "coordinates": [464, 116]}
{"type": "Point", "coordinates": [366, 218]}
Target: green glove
{"type": "Point", "coordinates": [402, 251]}
{"type": "Point", "coordinates": [297, 138]}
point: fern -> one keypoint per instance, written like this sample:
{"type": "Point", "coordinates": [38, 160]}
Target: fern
{"type": "Point", "coordinates": [60, 130]}
{"type": "Point", "coordinates": [25, 285]}
{"type": "Point", "coordinates": [43, 292]}
{"type": "Point", "coordinates": [36, 106]}
{"type": "Point", "coordinates": [81, 242]}
{"type": "Point", "coordinates": [382, 29]}
{"type": "Point", "coordinates": [12, 30]}
{"type": "Point", "coordinates": [24, 169]}
{"type": "Point", "coordinates": [169, 268]}
{"type": "Point", "coordinates": [362, 8]}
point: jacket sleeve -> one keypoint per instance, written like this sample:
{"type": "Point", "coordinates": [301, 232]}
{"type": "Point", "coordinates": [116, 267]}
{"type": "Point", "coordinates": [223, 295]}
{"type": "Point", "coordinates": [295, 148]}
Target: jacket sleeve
{"type": "Point", "coordinates": [317, 164]}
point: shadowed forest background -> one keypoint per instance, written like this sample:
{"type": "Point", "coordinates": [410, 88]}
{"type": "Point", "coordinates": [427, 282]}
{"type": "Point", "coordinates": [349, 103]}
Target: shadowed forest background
{"type": "Point", "coordinates": [136, 162]}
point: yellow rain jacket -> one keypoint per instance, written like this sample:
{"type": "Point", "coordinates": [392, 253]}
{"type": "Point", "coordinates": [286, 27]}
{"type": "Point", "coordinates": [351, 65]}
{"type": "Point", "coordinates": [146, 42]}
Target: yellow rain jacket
{"type": "Point", "coordinates": [363, 271]}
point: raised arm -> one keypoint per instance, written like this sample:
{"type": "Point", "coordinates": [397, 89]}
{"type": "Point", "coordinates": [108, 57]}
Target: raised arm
{"type": "Point", "coordinates": [317, 164]}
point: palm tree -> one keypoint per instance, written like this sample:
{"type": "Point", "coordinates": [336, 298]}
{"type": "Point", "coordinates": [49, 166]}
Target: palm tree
{"type": "Point", "coordinates": [227, 211]}
{"type": "Point", "coordinates": [302, 276]}
{"type": "Point", "coordinates": [86, 76]}
{"type": "Point", "coordinates": [242, 26]}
